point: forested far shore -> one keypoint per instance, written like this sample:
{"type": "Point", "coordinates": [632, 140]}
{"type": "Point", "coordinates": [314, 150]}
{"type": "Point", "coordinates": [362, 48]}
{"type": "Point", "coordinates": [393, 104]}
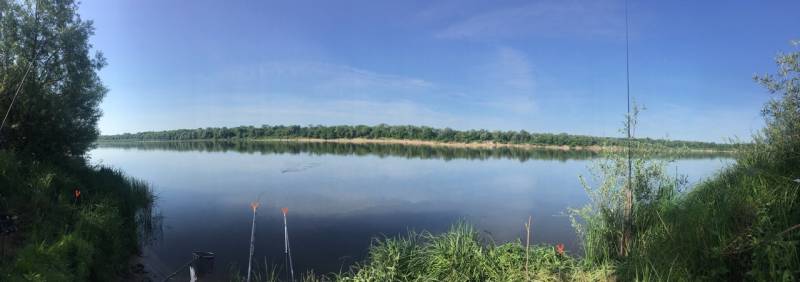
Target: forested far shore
{"type": "Point", "coordinates": [403, 132]}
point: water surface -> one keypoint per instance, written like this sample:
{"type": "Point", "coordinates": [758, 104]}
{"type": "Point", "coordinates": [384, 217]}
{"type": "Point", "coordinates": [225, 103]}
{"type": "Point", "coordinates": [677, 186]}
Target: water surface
{"type": "Point", "coordinates": [341, 196]}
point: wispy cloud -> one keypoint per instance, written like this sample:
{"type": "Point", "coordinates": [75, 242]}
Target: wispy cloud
{"type": "Point", "coordinates": [321, 79]}
{"type": "Point", "coordinates": [512, 69]}
{"type": "Point", "coordinates": [541, 18]}
{"type": "Point", "coordinates": [283, 110]}
{"type": "Point", "coordinates": [505, 82]}
{"type": "Point", "coordinates": [324, 77]}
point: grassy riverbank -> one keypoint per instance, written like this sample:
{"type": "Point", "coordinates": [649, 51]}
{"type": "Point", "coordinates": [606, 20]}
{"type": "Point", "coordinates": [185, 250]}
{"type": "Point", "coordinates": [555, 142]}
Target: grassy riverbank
{"type": "Point", "coordinates": [50, 95]}
{"type": "Point", "coordinates": [460, 254]}
{"type": "Point", "coordinates": [741, 224]}
{"type": "Point", "coordinates": [62, 237]}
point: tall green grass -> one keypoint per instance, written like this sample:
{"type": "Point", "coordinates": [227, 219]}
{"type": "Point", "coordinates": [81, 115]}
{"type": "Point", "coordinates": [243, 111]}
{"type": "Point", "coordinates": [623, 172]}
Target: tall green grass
{"type": "Point", "coordinates": [269, 272]}
{"type": "Point", "coordinates": [735, 226]}
{"type": "Point", "coordinates": [64, 239]}
{"type": "Point", "coordinates": [460, 254]}
{"type": "Point", "coordinates": [742, 224]}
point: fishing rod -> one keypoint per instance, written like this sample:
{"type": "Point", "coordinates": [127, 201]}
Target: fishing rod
{"type": "Point", "coordinates": [629, 191]}
{"type": "Point", "coordinates": [254, 206]}
{"type": "Point", "coordinates": [287, 248]}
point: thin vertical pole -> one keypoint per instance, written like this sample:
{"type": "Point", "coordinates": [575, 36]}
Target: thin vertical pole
{"type": "Point", "coordinates": [287, 248]}
{"type": "Point", "coordinates": [254, 206]}
{"type": "Point", "coordinates": [627, 225]}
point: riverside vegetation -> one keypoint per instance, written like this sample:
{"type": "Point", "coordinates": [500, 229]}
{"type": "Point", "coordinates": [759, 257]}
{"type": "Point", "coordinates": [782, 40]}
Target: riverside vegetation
{"type": "Point", "coordinates": [66, 220]}
{"type": "Point", "coordinates": [78, 222]}
{"type": "Point", "coordinates": [423, 134]}
{"type": "Point", "coordinates": [742, 224]}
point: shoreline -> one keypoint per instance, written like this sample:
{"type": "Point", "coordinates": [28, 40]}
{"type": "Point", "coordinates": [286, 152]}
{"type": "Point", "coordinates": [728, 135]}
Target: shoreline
{"type": "Point", "coordinates": [407, 142]}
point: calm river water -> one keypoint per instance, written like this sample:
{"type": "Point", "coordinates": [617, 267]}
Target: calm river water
{"type": "Point", "coordinates": [341, 196]}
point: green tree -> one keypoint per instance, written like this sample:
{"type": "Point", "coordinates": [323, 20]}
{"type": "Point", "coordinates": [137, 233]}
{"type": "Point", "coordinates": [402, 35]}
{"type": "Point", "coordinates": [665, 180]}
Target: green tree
{"type": "Point", "coordinates": [782, 113]}
{"type": "Point", "coordinates": [45, 52]}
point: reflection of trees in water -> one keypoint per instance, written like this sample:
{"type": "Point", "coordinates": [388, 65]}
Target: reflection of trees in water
{"type": "Point", "coordinates": [383, 150]}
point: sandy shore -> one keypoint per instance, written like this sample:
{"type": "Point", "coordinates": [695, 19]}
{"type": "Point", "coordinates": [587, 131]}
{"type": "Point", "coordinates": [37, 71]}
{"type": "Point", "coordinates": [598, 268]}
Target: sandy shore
{"type": "Point", "coordinates": [481, 145]}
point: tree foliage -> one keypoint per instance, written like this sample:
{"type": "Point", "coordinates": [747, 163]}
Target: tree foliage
{"type": "Point", "coordinates": [782, 112]}
{"type": "Point", "coordinates": [603, 221]}
{"type": "Point", "coordinates": [56, 111]}
{"type": "Point", "coordinates": [404, 132]}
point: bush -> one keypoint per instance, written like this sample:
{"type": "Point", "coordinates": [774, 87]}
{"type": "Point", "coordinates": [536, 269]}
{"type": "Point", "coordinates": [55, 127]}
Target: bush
{"type": "Point", "coordinates": [743, 224]}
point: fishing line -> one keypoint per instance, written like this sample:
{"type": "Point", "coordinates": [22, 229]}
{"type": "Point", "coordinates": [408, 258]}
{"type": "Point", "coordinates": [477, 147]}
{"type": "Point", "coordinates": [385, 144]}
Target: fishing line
{"type": "Point", "coordinates": [30, 66]}
{"type": "Point", "coordinates": [629, 194]}
{"type": "Point", "coordinates": [19, 87]}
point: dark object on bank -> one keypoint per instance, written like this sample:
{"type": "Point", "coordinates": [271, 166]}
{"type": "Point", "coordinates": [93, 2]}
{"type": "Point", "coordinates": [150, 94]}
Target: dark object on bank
{"type": "Point", "coordinates": [202, 263]}
{"type": "Point", "coordinates": [8, 224]}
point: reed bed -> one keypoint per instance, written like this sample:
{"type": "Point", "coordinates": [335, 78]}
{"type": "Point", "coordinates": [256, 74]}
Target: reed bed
{"type": "Point", "coordinates": [460, 254]}
{"type": "Point", "coordinates": [76, 222]}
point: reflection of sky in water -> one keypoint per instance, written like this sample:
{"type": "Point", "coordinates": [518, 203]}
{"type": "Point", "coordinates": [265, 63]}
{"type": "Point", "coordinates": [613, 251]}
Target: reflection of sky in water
{"type": "Point", "coordinates": [337, 203]}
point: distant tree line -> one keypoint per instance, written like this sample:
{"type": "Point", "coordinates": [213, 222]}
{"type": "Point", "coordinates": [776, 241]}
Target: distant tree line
{"type": "Point", "coordinates": [403, 132]}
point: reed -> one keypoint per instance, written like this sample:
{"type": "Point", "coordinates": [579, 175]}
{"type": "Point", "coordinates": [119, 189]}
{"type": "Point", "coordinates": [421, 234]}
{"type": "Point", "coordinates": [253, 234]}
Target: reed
{"type": "Point", "coordinates": [462, 254]}
{"type": "Point", "coordinates": [66, 235]}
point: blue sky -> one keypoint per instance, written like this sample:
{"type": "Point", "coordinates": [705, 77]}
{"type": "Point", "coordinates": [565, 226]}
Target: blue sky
{"type": "Point", "coordinates": [542, 66]}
